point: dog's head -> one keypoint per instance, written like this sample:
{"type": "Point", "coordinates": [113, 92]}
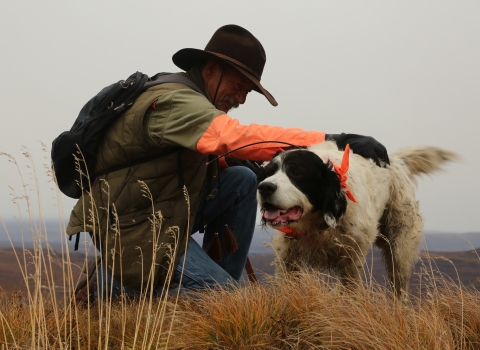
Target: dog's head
{"type": "Point", "coordinates": [299, 190]}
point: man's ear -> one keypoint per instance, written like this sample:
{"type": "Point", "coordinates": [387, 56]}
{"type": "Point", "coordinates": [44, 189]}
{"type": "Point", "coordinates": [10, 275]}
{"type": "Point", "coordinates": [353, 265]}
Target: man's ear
{"type": "Point", "coordinates": [210, 69]}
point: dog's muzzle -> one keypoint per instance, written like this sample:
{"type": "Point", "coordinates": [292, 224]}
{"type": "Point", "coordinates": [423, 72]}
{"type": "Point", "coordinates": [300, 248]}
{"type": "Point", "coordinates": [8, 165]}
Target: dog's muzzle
{"type": "Point", "coordinates": [266, 188]}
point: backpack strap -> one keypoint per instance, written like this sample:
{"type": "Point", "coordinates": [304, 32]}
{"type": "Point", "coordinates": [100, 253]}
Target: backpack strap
{"type": "Point", "coordinates": [164, 78]}
{"type": "Point", "coordinates": [157, 79]}
{"type": "Point", "coordinates": [77, 240]}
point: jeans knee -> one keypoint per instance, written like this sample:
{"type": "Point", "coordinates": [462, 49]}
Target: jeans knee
{"type": "Point", "coordinates": [247, 180]}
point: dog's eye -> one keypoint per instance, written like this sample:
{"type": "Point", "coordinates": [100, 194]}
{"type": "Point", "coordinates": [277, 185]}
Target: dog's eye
{"type": "Point", "coordinates": [295, 172]}
{"type": "Point", "coordinates": [271, 169]}
{"type": "Point", "coordinates": [270, 172]}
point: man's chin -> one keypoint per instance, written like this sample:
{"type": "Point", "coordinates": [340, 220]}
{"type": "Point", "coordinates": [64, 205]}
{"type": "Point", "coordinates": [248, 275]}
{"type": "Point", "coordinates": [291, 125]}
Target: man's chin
{"type": "Point", "coordinates": [225, 107]}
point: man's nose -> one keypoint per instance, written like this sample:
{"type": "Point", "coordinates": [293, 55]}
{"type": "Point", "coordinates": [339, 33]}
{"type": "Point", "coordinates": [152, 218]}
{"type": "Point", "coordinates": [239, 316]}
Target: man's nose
{"type": "Point", "coordinates": [241, 97]}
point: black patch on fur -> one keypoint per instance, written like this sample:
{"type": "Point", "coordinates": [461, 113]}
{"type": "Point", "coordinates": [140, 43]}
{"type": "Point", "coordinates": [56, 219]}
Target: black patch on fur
{"type": "Point", "coordinates": [316, 180]}
{"type": "Point", "coordinates": [266, 188]}
{"type": "Point", "coordinates": [267, 171]}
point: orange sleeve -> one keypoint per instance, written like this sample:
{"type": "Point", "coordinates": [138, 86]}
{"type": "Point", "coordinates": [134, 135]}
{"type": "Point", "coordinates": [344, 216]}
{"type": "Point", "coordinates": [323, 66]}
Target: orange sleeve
{"type": "Point", "coordinates": [225, 134]}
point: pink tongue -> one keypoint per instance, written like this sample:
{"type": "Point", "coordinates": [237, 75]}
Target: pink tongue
{"type": "Point", "coordinates": [271, 214]}
{"type": "Point", "coordinates": [283, 215]}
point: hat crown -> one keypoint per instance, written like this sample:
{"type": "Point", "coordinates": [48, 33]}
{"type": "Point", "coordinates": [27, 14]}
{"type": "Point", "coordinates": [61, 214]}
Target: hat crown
{"type": "Point", "coordinates": [240, 45]}
{"type": "Point", "coordinates": [235, 46]}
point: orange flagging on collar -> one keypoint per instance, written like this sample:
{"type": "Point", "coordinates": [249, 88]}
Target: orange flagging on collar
{"type": "Point", "coordinates": [289, 233]}
{"type": "Point", "coordinates": [342, 173]}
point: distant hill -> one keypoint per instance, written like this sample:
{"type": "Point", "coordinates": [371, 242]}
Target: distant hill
{"type": "Point", "coordinates": [447, 264]}
{"type": "Point", "coordinates": [11, 277]}
{"type": "Point", "coordinates": [435, 241]}
{"type": "Point", "coordinates": [466, 263]}
{"type": "Point", "coordinates": [451, 242]}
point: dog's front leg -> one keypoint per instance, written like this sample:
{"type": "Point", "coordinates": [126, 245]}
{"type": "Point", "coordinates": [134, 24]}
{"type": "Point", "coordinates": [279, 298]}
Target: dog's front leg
{"type": "Point", "coordinates": [350, 273]}
{"type": "Point", "coordinates": [285, 260]}
{"type": "Point", "coordinates": [284, 268]}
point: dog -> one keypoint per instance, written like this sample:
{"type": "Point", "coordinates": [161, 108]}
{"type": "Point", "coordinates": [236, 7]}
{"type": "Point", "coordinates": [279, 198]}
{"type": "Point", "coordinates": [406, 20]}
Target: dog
{"type": "Point", "coordinates": [328, 218]}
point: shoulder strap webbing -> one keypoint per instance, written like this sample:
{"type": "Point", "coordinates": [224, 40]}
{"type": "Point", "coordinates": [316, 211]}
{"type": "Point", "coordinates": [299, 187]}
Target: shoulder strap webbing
{"type": "Point", "coordinates": [160, 78]}
{"type": "Point", "coordinates": [171, 78]}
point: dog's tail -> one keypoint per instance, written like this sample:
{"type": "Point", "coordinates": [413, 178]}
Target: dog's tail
{"type": "Point", "coordinates": [425, 160]}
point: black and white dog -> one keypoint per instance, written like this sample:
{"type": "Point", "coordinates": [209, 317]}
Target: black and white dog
{"type": "Point", "coordinates": [306, 196]}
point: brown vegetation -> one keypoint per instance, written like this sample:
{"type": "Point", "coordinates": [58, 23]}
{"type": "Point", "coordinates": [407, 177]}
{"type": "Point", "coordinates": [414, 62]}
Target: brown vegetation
{"type": "Point", "coordinates": [301, 313]}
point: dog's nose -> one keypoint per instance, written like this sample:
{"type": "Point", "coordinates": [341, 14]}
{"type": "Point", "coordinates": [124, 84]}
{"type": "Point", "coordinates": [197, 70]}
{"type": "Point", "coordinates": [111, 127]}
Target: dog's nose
{"type": "Point", "coordinates": [266, 188]}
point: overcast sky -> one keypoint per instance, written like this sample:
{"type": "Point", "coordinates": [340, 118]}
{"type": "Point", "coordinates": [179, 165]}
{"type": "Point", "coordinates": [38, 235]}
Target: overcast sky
{"type": "Point", "coordinates": [406, 73]}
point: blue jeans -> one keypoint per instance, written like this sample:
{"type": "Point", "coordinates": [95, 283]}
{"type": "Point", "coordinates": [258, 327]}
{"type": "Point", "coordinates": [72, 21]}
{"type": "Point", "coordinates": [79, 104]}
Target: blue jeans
{"type": "Point", "coordinates": [236, 207]}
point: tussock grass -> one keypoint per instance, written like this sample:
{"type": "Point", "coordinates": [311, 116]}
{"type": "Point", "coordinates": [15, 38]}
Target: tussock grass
{"type": "Point", "coordinates": [302, 312]}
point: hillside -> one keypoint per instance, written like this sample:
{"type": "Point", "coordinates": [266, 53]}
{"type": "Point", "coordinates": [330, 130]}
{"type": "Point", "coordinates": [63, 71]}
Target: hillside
{"type": "Point", "coordinates": [11, 275]}
{"type": "Point", "coordinates": [447, 264]}
{"type": "Point", "coordinates": [435, 241]}
{"type": "Point", "coordinates": [466, 263]}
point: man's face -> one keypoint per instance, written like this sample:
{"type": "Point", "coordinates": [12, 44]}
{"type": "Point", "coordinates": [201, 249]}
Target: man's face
{"type": "Point", "coordinates": [226, 87]}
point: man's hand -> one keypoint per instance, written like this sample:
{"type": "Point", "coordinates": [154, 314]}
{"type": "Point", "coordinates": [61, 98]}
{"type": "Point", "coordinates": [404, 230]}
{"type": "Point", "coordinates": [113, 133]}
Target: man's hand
{"type": "Point", "coordinates": [365, 146]}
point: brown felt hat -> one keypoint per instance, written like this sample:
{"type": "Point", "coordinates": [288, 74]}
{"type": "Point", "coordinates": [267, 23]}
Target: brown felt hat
{"type": "Point", "coordinates": [235, 46]}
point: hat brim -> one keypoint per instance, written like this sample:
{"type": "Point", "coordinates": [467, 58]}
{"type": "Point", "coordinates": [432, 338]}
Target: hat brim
{"type": "Point", "coordinates": [187, 58]}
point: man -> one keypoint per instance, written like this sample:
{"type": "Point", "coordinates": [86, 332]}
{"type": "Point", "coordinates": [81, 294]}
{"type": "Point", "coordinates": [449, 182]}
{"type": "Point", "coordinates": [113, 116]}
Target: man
{"type": "Point", "coordinates": [141, 217]}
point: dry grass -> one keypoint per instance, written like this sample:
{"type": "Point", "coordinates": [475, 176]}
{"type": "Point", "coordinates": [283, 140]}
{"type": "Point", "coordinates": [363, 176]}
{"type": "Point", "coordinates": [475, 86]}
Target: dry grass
{"type": "Point", "coordinates": [300, 313]}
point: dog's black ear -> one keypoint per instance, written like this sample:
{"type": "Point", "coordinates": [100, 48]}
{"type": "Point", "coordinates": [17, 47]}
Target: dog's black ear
{"type": "Point", "coordinates": [261, 174]}
{"type": "Point", "coordinates": [334, 209]}
{"type": "Point", "coordinates": [268, 169]}
{"type": "Point", "coordinates": [334, 203]}
{"type": "Point", "coordinates": [331, 218]}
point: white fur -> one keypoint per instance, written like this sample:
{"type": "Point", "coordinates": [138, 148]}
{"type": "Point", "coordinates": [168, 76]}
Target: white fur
{"type": "Point", "coordinates": [387, 214]}
{"type": "Point", "coordinates": [289, 193]}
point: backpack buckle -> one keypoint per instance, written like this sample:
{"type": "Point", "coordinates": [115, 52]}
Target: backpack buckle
{"type": "Point", "coordinates": [119, 108]}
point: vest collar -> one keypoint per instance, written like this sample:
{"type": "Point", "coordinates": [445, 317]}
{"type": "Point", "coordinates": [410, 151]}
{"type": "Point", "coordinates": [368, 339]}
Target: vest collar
{"type": "Point", "coordinates": [195, 75]}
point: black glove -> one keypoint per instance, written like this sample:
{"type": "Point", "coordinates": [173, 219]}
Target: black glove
{"type": "Point", "coordinates": [366, 146]}
{"type": "Point", "coordinates": [253, 166]}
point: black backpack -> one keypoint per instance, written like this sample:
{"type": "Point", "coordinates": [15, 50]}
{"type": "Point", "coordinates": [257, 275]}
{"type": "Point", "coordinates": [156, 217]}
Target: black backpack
{"type": "Point", "coordinates": [83, 138]}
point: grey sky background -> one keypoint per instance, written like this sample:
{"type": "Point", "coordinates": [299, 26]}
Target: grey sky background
{"type": "Point", "coordinates": [406, 73]}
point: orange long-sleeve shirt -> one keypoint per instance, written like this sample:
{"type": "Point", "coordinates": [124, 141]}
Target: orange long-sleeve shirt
{"type": "Point", "coordinates": [186, 118]}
